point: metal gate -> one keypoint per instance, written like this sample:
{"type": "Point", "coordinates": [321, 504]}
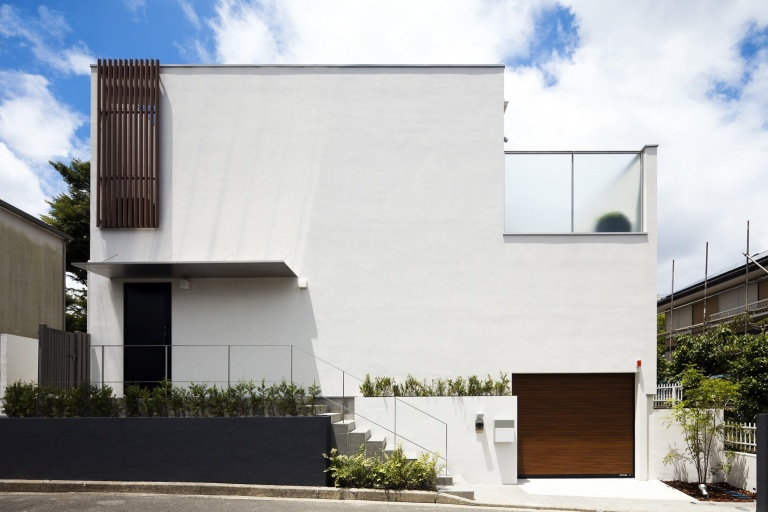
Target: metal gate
{"type": "Point", "coordinates": [64, 358]}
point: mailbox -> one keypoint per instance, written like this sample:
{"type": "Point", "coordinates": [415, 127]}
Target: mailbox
{"type": "Point", "coordinates": [479, 423]}
{"type": "Point", "coordinates": [504, 431]}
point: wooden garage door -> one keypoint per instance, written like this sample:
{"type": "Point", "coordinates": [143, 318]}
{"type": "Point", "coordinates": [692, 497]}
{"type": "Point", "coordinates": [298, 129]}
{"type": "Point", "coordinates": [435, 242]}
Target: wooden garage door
{"type": "Point", "coordinates": [575, 424]}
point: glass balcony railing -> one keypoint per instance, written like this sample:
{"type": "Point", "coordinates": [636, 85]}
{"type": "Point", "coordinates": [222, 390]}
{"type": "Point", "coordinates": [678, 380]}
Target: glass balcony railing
{"type": "Point", "coordinates": [573, 192]}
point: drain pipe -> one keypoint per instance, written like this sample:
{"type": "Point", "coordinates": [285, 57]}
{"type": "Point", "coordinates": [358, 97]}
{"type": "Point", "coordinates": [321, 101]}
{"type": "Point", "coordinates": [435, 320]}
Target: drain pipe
{"type": "Point", "coordinates": [703, 489]}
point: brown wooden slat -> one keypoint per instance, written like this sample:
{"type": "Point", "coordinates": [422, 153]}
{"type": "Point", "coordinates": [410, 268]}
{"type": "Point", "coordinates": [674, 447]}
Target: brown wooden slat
{"type": "Point", "coordinates": [155, 210]}
{"type": "Point", "coordinates": [142, 123]}
{"type": "Point", "coordinates": [127, 143]}
{"type": "Point", "coordinates": [575, 424]}
{"type": "Point", "coordinates": [99, 132]}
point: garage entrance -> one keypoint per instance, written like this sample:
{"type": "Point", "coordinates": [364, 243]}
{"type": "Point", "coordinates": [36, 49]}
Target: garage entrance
{"type": "Point", "coordinates": [575, 425]}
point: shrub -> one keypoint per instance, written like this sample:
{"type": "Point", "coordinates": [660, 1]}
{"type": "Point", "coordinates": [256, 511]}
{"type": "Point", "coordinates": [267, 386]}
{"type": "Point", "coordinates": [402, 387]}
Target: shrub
{"type": "Point", "coordinates": [393, 472]}
{"type": "Point", "coordinates": [103, 403]}
{"type": "Point", "coordinates": [135, 398]}
{"type": "Point", "coordinates": [20, 400]}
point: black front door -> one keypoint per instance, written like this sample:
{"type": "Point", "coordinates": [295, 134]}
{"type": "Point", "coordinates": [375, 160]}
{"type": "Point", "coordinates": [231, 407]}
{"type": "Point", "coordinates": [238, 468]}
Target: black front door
{"type": "Point", "coordinates": [147, 333]}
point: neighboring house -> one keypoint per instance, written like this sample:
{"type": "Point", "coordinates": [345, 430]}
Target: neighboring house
{"type": "Point", "coordinates": [317, 223]}
{"type": "Point", "coordinates": [32, 273]}
{"type": "Point", "coordinates": [740, 289]}
{"type": "Point", "coordinates": [32, 290]}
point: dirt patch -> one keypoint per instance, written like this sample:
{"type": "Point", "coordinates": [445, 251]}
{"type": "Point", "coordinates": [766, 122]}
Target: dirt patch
{"type": "Point", "coordinates": [715, 492]}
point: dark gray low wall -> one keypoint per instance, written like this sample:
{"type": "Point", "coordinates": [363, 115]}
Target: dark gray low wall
{"type": "Point", "coordinates": [276, 451]}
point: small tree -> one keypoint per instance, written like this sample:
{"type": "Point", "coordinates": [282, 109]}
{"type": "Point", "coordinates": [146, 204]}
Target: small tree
{"type": "Point", "coordinates": [698, 416]}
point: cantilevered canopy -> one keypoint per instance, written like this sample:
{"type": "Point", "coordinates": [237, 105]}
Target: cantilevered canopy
{"type": "Point", "coordinates": [188, 269]}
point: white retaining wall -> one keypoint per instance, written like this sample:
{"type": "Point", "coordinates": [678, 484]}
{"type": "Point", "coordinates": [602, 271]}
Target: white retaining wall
{"type": "Point", "coordinates": [475, 456]}
{"type": "Point", "coordinates": [18, 360]}
{"type": "Point", "coordinates": [665, 438]}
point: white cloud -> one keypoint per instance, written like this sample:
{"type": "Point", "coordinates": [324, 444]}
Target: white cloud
{"type": "Point", "coordinates": [189, 13]}
{"type": "Point", "coordinates": [348, 31]}
{"type": "Point", "coordinates": [32, 122]}
{"type": "Point", "coordinates": [19, 184]}
{"type": "Point", "coordinates": [642, 73]}
{"type": "Point", "coordinates": [34, 128]}
{"type": "Point", "coordinates": [135, 6]}
{"type": "Point", "coordinates": [45, 35]}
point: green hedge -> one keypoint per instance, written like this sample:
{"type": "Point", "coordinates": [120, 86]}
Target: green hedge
{"type": "Point", "coordinates": [23, 400]}
{"type": "Point", "coordinates": [471, 386]}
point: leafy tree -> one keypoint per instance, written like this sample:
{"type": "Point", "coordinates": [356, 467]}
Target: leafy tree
{"type": "Point", "coordinates": [725, 350]}
{"type": "Point", "coordinates": [662, 363]}
{"type": "Point", "coordinates": [698, 415]}
{"type": "Point", "coordinates": [750, 370]}
{"type": "Point", "coordinates": [70, 213]}
{"type": "Point", "coordinates": [77, 306]}
{"type": "Point", "coordinates": [708, 351]}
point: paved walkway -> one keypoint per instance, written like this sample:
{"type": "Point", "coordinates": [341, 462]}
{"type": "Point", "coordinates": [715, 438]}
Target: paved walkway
{"type": "Point", "coordinates": [605, 494]}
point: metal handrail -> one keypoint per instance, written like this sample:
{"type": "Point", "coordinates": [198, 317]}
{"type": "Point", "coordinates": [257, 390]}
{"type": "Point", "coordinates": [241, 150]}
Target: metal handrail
{"type": "Point", "coordinates": [228, 346]}
{"type": "Point", "coordinates": [344, 374]}
{"type": "Point", "coordinates": [434, 418]}
{"type": "Point", "coordinates": [394, 432]}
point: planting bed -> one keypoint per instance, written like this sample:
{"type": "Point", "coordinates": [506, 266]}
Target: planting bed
{"type": "Point", "coordinates": [715, 492]}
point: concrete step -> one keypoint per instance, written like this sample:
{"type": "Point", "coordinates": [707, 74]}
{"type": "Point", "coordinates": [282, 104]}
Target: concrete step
{"type": "Point", "coordinates": [409, 456]}
{"type": "Point", "coordinates": [444, 480]}
{"type": "Point", "coordinates": [343, 426]}
{"type": "Point", "coordinates": [461, 492]}
{"type": "Point", "coordinates": [335, 416]}
{"type": "Point", "coordinates": [357, 438]}
{"type": "Point", "coordinates": [344, 405]}
{"type": "Point", "coordinates": [374, 446]}
{"type": "Point", "coordinates": [458, 487]}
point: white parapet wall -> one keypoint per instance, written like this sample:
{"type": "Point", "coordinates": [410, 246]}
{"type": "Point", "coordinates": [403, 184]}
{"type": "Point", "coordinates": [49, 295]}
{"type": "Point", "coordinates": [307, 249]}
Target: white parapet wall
{"type": "Point", "coordinates": [18, 360]}
{"type": "Point", "coordinates": [667, 436]}
{"type": "Point", "coordinates": [448, 424]}
{"type": "Point", "coordinates": [744, 472]}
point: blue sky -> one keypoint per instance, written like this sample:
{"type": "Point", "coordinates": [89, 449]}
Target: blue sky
{"type": "Point", "coordinates": [690, 75]}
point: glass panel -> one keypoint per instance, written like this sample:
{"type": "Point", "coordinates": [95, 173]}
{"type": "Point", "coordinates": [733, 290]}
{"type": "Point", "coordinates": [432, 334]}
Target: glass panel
{"type": "Point", "coordinates": [537, 193]}
{"type": "Point", "coordinates": [607, 193]}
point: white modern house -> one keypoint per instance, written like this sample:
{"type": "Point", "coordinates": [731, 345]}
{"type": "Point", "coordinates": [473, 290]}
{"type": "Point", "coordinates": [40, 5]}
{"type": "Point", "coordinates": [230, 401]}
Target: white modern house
{"type": "Point", "coordinates": [321, 223]}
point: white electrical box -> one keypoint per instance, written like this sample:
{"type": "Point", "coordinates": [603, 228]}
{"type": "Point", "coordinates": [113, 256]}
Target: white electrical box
{"type": "Point", "coordinates": [504, 431]}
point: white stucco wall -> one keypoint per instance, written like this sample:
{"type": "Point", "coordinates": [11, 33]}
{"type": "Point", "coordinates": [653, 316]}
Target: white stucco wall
{"type": "Point", "coordinates": [384, 188]}
{"type": "Point", "coordinates": [18, 360]}
{"type": "Point", "coordinates": [477, 457]}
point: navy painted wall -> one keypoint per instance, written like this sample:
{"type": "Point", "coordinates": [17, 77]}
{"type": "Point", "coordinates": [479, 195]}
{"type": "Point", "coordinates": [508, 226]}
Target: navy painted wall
{"type": "Point", "coordinates": [278, 451]}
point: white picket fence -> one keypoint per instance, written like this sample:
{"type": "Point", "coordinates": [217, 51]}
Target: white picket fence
{"type": "Point", "coordinates": [667, 394]}
{"type": "Point", "coordinates": [740, 437]}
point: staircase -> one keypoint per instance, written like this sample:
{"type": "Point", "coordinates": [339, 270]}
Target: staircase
{"type": "Point", "coordinates": [349, 438]}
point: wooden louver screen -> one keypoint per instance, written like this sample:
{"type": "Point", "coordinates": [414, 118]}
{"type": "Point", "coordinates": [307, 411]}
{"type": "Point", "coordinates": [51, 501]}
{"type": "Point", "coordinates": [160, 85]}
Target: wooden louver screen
{"type": "Point", "coordinates": [127, 163]}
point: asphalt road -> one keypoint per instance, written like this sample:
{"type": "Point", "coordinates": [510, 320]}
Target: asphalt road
{"type": "Point", "coordinates": [92, 502]}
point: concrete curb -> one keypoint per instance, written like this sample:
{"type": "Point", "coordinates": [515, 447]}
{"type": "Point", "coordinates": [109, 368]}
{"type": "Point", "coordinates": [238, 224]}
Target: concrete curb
{"type": "Point", "coordinates": [208, 489]}
{"type": "Point", "coordinates": [265, 491]}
